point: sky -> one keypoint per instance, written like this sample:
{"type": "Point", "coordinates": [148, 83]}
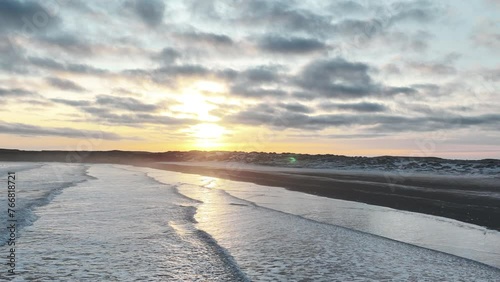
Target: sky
{"type": "Point", "coordinates": [359, 78]}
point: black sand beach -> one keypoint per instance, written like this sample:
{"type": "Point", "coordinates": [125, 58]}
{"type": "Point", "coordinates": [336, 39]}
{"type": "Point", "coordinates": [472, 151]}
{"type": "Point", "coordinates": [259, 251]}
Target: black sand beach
{"type": "Point", "coordinates": [471, 200]}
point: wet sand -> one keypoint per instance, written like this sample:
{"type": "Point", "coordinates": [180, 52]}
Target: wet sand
{"type": "Point", "coordinates": [468, 199]}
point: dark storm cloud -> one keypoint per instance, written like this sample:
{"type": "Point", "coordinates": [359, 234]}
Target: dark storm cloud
{"type": "Point", "coordinates": [30, 130]}
{"type": "Point", "coordinates": [358, 107]}
{"type": "Point", "coordinates": [15, 92]}
{"type": "Point", "coordinates": [65, 84]}
{"type": "Point", "coordinates": [278, 44]}
{"type": "Point", "coordinates": [151, 12]}
{"type": "Point", "coordinates": [25, 16]}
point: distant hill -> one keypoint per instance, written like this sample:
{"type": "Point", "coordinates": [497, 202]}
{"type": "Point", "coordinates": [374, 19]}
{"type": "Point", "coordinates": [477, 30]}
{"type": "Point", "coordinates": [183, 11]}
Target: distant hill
{"type": "Point", "coordinates": [384, 163]}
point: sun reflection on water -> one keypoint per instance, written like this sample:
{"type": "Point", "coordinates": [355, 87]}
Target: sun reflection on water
{"type": "Point", "coordinates": [209, 182]}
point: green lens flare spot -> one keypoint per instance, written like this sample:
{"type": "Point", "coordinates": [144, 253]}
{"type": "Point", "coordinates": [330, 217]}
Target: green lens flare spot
{"type": "Point", "coordinates": [292, 160]}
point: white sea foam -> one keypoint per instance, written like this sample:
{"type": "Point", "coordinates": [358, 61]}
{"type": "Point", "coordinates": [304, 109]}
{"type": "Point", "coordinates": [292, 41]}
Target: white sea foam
{"type": "Point", "coordinates": [119, 226]}
{"type": "Point", "coordinates": [122, 224]}
{"type": "Point", "coordinates": [278, 234]}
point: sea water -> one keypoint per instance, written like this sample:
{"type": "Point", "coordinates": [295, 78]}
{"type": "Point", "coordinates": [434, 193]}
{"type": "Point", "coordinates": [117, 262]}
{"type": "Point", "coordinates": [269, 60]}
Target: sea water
{"type": "Point", "coordinates": [121, 223]}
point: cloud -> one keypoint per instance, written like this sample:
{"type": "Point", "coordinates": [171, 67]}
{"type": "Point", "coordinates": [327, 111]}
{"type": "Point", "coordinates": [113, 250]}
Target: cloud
{"type": "Point", "coordinates": [338, 136]}
{"type": "Point", "coordinates": [487, 34]}
{"type": "Point", "coordinates": [167, 56]}
{"type": "Point", "coordinates": [11, 58]}
{"type": "Point", "coordinates": [421, 11]}
{"type": "Point", "coordinates": [26, 16]}
{"type": "Point", "coordinates": [362, 29]}
{"type": "Point", "coordinates": [31, 130]}
{"type": "Point", "coordinates": [65, 84]}
{"type": "Point", "coordinates": [168, 74]}
{"type": "Point", "coordinates": [338, 78]}
{"type": "Point", "coordinates": [350, 7]}
{"type": "Point", "coordinates": [432, 68]}
{"type": "Point", "coordinates": [51, 64]}
{"type": "Point", "coordinates": [357, 107]}
{"type": "Point", "coordinates": [15, 92]}
{"type": "Point", "coordinates": [132, 112]}
{"type": "Point", "coordinates": [208, 38]}
{"type": "Point", "coordinates": [125, 103]}
{"type": "Point", "coordinates": [282, 15]}
{"type": "Point", "coordinates": [291, 45]}
{"type": "Point", "coordinates": [257, 92]}
{"type": "Point", "coordinates": [74, 103]}
{"type": "Point", "coordinates": [491, 74]}
{"type": "Point", "coordinates": [151, 12]}
{"type": "Point", "coordinates": [381, 22]}
{"type": "Point", "coordinates": [306, 65]}
{"type": "Point", "coordinates": [372, 123]}
{"type": "Point", "coordinates": [256, 82]}
{"type": "Point", "coordinates": [495, 3]}
{"type": "Point", "coordinates": [260, 74]}
{"type": "Point", "coordinates": [66, 42]}
{"type": "Point", "coordinates": [134, 119]}
{"type": "Point", "coordinates": [108, 103]}
{"type": "Point", "coordinates": [295, 107]}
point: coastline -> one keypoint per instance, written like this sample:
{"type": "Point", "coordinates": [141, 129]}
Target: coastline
{"type": "Point", "coordinates": [458, 198]}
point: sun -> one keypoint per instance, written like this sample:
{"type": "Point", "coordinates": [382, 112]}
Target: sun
{"type": "Point", "coordinates": [208, 135]}
{"type": "Point", "coordinates": [208, 131]}
{"type": "Point", "coordinates": [195, 105]}
{"type": "Point", "coordinates": [197, 100]}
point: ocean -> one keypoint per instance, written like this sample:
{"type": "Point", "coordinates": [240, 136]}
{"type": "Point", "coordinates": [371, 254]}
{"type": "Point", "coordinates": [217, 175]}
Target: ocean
{"type": "Point", "coordinates": [104, 222]}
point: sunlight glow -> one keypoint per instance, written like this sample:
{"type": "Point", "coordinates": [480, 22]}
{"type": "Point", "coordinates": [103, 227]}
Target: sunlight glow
{"type": "Point", "coordinates": [194, 104]}
{"type": "Point", "coordinates": [208, 135]}
{"type": "Point", "coordinates": [209, 86]}
{"type": "Point", "coordinates": [196, 100]}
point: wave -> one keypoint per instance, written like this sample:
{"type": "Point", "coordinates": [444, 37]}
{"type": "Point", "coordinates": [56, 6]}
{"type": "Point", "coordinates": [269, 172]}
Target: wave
{"type": "Point", "coordinates": [191, 210]}
{"type": "Point", "coordinates": [35, 188]}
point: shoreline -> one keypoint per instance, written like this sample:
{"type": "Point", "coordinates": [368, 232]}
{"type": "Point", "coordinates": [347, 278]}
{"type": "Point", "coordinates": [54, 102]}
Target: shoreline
{"type": "Point", "coordinates": [456, 198]}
